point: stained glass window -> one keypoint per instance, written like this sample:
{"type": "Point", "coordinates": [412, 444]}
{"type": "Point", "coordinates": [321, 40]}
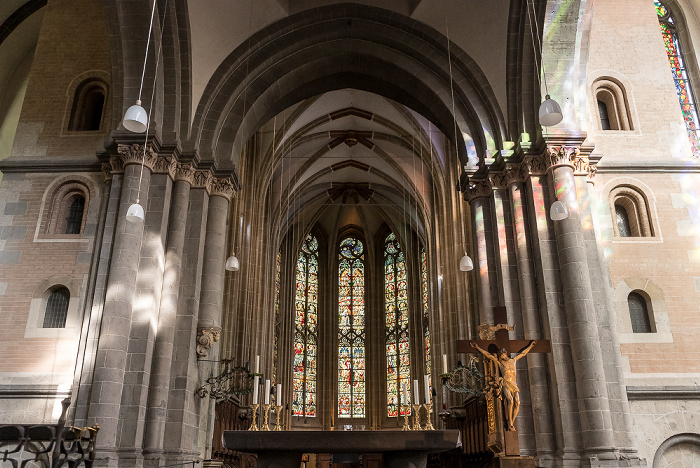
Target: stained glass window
{"type": "Point", "coordinates": [277, 316]}
{"type": "Point", "coordinates": [351, 329]}
{"type": "Point", "coordinates": [305, 330]}
{"type": "Point", "coordinates": [426, 318]}
{"type": "Point", "coordinates": [398, 365]}
{"type": "Point", "coordinates": [680, 75]}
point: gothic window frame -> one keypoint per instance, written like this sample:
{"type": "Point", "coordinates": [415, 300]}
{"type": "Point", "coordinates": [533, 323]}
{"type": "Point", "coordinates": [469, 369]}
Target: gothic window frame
{"type": "Point", "coordinates": [38, 307]}
{"type": "Point", "coordinates": [612, 94]}
{"type": "Point", "coordinates": [636, 205]}
{"type": "Point", "coordinates": [307, 252]}
{"type": "Point", "coordinates": [337, 329]}
{"type": "Point", "coordinates": [393, 255]}
{"type": "Point", "coordinates": [672, 21]}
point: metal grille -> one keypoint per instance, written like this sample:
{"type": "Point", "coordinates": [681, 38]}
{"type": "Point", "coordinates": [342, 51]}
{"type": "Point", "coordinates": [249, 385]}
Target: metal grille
{"type": "Point", "coordinates": [639, 313]}
{"type": "Point", "coordinates": [57, 308]}
{"type": "Point", "coordinates": [75, 216]}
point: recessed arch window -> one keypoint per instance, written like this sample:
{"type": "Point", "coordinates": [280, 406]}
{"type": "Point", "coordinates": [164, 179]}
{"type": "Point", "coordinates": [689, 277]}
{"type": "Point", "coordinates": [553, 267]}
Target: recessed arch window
{"type": "Point", "coordinates": [351, 329]}
{"type": "Point", "coordinates": [56, 311]}
{"type": "Point", "coordinates": [88, 106]}
{"type": "Point", "coordinates": [639, 313]}
{"type": "Point", "coordinates": [68, 209]}
{"type": "Point", "coordinates": [306, 330]}
{"type": "Point", "coordinates": [613, 105]}
{"type": "Point", "coordinates": [603, 114]}
{"type": "Point", "coordinates": [686, 96]}
{"type": "Point", "coordinates": [396, 326]}
{"type": "Point", "coordinates": [630, 213]}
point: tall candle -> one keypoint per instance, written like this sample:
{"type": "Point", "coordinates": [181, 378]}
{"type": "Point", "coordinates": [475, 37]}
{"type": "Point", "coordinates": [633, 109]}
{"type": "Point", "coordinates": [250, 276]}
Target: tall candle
{"type": "Point", "coordinates": [404, 388]}
{"type": "Point", "coordinates": [444, 363]}
{"type": "Point", "coordinates": [267, 392]}
{"type": "Point", "coordinates": [256, 383]}
{"type": "Point", "coordinates": [426, 382]}
{"type": "Point", "coordinates": [257, 364]}
{"type": "Point", "coordinates": [278, 395]}
{"type": "Point", "coordinates": [416, 392]}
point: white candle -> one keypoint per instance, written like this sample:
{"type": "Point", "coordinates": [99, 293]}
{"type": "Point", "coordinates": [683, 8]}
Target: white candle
{"type": "Point", "coordinates": [257, 364]}
{"type": "Point", "coordinates": [426, 382]}
{"type": "Point", "coordinates": [255, 389]}
{"type": "Point", "coordinates": [444, 363]}
{"type": "Point", "coordinates": [404, 388]}
{"type": "Point", "coordinates": [267, 392]}
{"type": "Point", "coordinates": [416, 392]}
{"type": "Point", "coordinates": [278, 395]}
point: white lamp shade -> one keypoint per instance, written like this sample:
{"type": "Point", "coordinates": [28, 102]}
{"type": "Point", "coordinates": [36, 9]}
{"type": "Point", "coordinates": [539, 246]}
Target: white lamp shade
{"type": "Point", "coordinates": [466, 263]}
{"type": "Point", "coordinates": [135, 118]}
{"type": "Point", "coordinates": [550, 112]}
{"type": "Point", "coordinates": [558, 211]}
{"type": "Point", "coordinates": [232, 263]}
{"type": "Point", "coordinates": [135, 213]}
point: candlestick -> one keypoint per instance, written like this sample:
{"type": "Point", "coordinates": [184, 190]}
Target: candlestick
{"type": "Point", "coordinates": [405, 427]}
{"type": "Point", "coordinates": [266, 414]}
{"type": "Point", "coordinates": [254, 424]}
{"type": "Point", "coordinates": [257, 364]}
{"type": "Point", "coordinates": [279, 412]}
{"type": "Point", "coordinates": [256, 383]}
{"type": "Point", "coordinates": [416, 417]}
{"type": "Point", "coordinates": [429, 411]}
{"type": "Point", "coordinates": [267, 392]}
{"type": "Point", "coordinates": [444, 363]}
{"type": "Point", "coordinates": [426, 382]}
{"type": "Point", "coordinates": [416, 392]}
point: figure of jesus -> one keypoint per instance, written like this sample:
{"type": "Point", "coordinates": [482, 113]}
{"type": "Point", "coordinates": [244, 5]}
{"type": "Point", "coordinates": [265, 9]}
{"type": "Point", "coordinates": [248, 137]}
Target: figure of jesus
{"type": "Point", "coordinates": [509, 387]}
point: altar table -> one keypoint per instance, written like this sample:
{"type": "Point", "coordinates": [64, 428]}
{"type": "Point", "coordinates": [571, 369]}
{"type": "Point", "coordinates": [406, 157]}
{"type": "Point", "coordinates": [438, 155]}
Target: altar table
{"type": "Point", "coordinates": [283, 449]}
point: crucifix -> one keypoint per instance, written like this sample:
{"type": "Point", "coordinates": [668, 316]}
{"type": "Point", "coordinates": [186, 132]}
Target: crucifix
{"type": "Point", "coordinates": [500, 373]}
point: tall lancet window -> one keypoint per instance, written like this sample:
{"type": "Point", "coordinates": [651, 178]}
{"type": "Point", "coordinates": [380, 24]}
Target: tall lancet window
{"type": "Point", "coordinates": [426, 318]}
{"type": "Point", "coordinates": [398, 364]}
{"type": "Point", "coordinates": [306, 330]}
{"type": "Point", "coordinates": [351, 329]}
{"type": "Point", "coordinates": [277, 315]}
{"type": "Point", "coordinates": [680, 75]}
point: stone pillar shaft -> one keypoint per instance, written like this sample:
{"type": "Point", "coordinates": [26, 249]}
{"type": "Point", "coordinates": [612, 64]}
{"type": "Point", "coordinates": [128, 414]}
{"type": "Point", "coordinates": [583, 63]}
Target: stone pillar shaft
{"type": "Point", "coordinates": [111, 360]}
{"type": "Point", "coordinates": [594, 410]}
{"type": "Point", "coordinates": [484, 262]}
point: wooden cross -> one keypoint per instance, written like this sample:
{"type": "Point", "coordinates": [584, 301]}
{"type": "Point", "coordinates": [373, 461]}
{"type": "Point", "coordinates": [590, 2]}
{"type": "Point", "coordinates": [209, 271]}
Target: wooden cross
{"type": "Point", "coordinates": [499, 441]}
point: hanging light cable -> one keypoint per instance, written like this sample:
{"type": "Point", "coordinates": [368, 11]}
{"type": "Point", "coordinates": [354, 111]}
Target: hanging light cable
{"type": "Point", "coordinates": [550, 113]}
{"type": "Point", "coordinates": [135, 213]}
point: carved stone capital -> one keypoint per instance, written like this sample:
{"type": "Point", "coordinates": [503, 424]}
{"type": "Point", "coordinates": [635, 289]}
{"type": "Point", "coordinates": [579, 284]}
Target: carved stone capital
{"type": "Point", "coordinates": [165, 164]}
{"type": "Point", "coordinates": [116, 164]}
{"type": "Point", "coordinates": [183, 172]}
{"type": "Point", "coordinates": [479, 189]}
{"type": "Point", "coordinates": [221, 187]}
{"type": "Point", "coordinates": [562, 156]}
{"type": "Point", "coordinates": [510, 175]}
{"type": "Point", "coordinates": [135, 154]}
{"type": "Point", "coordinates": [200, 179]}
{"type": "Point", "coordinates": [107, 169]}
{"type": "Point", "coordinates": [206, 337]}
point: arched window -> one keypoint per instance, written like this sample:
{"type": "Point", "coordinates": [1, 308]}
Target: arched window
{"type": "Point", "coordinates": [680, 75]}
{"type": "Point", "coordinates": [623, 222]}
{"type": "Point", "coordinates": [68, 209]}
{"type": "Point", "coordinates": [88, 106]}
{"type": "Point", "coordinates": [74, 221]}
{"type": "Point", "coordinates": [398, 363]}
{"type": "Point", "coordinates": [57, 308]}
{"type": "Point", "coordinates": [613, 106]}
{"type": "Point", "coordinates": [639, 313]}
{"type": "Point", "coordinates": [351, 329]}
{"type": "Point", "coordinates": [603, 114]}
{"type": "Point", "coordinates": [426, 316]}
{"type": "Point", "coordinates": [306, 330]}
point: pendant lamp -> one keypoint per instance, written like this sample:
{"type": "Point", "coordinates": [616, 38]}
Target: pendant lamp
{"type": "Point", "coordinates": [466, 263]}
{"type": "Point", "coordinates": [558, 211]}
{"type": "Point", "coordinates": [550, 112]}
{"type": "Point", "coordinates": [135, 213]}
{"type": "Point", "coordinates": [232, 263]}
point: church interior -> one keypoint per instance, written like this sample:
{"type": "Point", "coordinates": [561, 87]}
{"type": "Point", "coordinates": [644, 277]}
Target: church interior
{"type": "Point", "coordinates": [317, 209]}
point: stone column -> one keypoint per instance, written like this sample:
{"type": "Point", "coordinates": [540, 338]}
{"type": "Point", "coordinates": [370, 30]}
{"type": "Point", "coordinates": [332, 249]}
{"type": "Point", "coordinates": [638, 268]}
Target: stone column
{"type": "Point", "coordinates": [111, 359]}
{"type": "Point", "coordinates": [211, 297]}
{"type": "Point", "coordinates": [484, 263]}
{"type": "Point", "coordinates": [532, 327]}
{"type": "Point", "coordinates": [163, 351]}
{"type": "Point", "coordinates": [591, 389]}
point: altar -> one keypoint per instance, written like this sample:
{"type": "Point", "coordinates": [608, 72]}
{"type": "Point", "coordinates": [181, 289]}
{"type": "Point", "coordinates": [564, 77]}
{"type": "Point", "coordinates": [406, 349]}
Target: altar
{"type": "Point", "coordinates": [284, 449]}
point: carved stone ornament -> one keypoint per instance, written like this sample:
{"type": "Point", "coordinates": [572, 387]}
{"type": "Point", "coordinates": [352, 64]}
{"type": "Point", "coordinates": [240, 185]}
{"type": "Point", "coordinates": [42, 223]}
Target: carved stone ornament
{"type": "Point", "coordinates": [510, 175]}
{"type": "Point", "coordinates": [478, 189]}
{"type": "Point", "coordinates": [107, 169]}
{"type": "Point", "coordinates": [165, 164]}
{"type": "Point", "coordinates": [134, 154]}
{"type": "Point", "coordinates": [200, 179]}
{"type": "Point", "coordinates": [206, 337]}
{"type": "Point", "coordinates": [562, 156]}
{"type": "Point", "coordinates": [221, 187]}
{"type": "Point", "coordinates": [184, 172]}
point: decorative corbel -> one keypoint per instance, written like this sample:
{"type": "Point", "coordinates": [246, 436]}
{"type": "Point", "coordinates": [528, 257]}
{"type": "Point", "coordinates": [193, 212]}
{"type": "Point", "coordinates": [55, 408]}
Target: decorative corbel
{"type": "Point", "coordinates": [206, 337]}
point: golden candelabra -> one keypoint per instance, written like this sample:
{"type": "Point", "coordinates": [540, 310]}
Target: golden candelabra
{"type": "Point", "coordinates": [277, 424]}
{"type": "Point", "coordinates": [405, 427]}
{"type": "Point", "coordinates": [429, 411]}
{"type": "Point", "coordinates": [266, 414]}
{"type": "Point", "coordinates": [254, 424]}
{"type": "Point", "coordinates": [416, 418]}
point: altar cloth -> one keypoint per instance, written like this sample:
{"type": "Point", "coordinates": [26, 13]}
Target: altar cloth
{"type": "Point", "coordinates": [283, 449]}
